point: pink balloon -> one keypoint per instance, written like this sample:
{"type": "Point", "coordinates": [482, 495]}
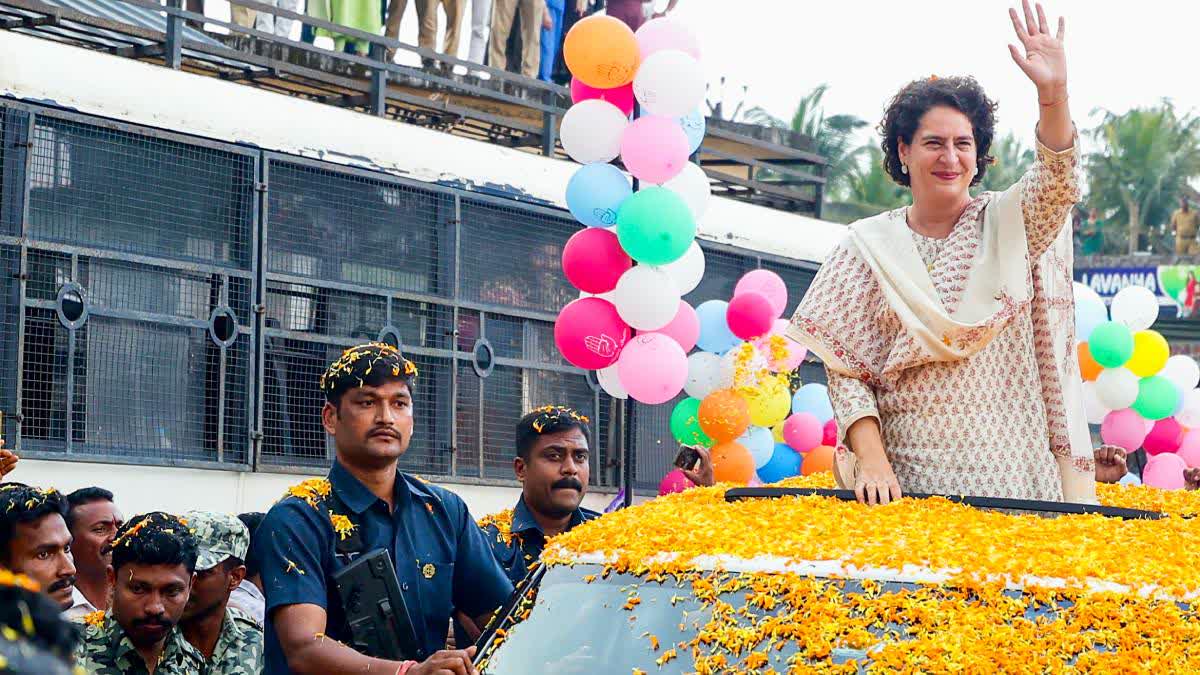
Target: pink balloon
{"type": "Point", "coordinates": [684, 328]}
{"type": "Point", "coordinates": [1189, 449]}
{"type": "Point", "coordinates": [622, 96]}
{"type": "Point", "coordinates": [793, 353]}
{"type": "Point", "coordinates": [769, 284]}
{"type": "Point", "coordinates": [654, 148]}
{"type": "Point", "coordinates": [590, 334]}
{"type": "Point", "coordinates": [674, 482]}
{"type": "Point", "coordinates": [829, 434]}
{"type": "Point", "coordinates": [652, 368]}
{"type": "Point", "coordinates": [1166, 436]}
{"type": "Point", "coordinates": [802, 432]}
{"type": "Point", "coordinates": [1164, 471]}
{"type": "Point", "coordinates": [749, 315]}
{"type": "Point", "coordinates": [593, 260]}
{"type": "Point", "coordinates": [1124, 429]}
{"type": "Point", "coordinates": [754, 482]}
{"type": "Point", "coordinates": [666, 33]}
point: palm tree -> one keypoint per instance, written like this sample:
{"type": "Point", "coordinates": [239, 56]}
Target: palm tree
{"type": "Point", "coordinates": [833, 136]}
{"type": "Point", "coordinates": [1145, 157]}
{"type": "Point", "coordinates": [870, 187]}
{"type": "Point", "coordinates": [1013, 159]}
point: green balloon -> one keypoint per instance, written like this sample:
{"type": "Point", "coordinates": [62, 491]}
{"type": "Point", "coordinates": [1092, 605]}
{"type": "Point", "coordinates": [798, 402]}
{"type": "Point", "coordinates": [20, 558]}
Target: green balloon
{"type": "Point", "coordinates": [1111, 344]}
{"type": "Point", "coordinates": [655, 226]}
{"type": "Point", "coordinates": [1157, 398]}
{"type": "Point", "coordinates": [685, 423]}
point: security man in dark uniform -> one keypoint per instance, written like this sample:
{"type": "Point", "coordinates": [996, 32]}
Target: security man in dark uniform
{"type": "Point", "coordinates": [441, 559]}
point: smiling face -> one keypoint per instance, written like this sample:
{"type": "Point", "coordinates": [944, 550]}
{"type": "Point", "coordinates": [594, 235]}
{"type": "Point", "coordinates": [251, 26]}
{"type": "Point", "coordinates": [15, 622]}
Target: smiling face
{"type": "Point", "coordinates": [371, 426]}
{"type": "Point", "coordinates": [941, 159]}
{"type": "Point", "coordinates": [554, 473]}
{"type": "Point", "coordinates": [93, 526]}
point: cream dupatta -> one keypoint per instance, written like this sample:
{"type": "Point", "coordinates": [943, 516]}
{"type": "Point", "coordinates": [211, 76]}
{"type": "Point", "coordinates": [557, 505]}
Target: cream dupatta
{"type": "Point", "coordinates": [1000, 281]}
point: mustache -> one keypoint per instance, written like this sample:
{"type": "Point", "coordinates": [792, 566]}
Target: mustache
{"type": "Point", "coordinates": [566, 483]}
{"type": "Point", "coordinates": [160, 620]}
{"type": "Point", "coordinates": [61, 584]}
{"type": "Point", "coordinates": [386, 431]}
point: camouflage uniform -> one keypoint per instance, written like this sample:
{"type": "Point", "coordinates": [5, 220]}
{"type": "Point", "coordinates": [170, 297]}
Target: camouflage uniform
{"type": "Point", "coordinates": [105, 650]}
{"type": "Point", "coordinates": [239, 648]}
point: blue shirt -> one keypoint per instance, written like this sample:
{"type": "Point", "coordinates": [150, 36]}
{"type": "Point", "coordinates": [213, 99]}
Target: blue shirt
{"type": "Point", "coordinates": [527, 541]}
{"type": "Point", "coordinates": [440, 555]}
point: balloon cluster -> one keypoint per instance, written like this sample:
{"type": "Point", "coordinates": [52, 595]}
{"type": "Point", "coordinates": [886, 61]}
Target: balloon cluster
{"type": "Point", "coordinates": [638, 256]}
{"type": "Point", "coordinates": [1140, 395]}
{"type": "Point", "coordinates": [740, 403]}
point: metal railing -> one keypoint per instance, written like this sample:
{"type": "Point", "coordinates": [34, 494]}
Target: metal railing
{"type": "Point", "coordinates": [506, 108]}
{"type": "Point", "coordinates": [172, 300]}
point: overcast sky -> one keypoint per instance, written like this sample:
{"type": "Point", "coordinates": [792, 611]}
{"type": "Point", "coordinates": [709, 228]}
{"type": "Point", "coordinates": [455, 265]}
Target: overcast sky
{"type": "Point", "coordinates": [1120, 54]}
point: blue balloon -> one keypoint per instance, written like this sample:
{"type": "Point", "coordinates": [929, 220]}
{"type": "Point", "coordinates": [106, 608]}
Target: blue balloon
{"type": "Point", "coordinates": [715, 335]}
{"type": "Point", "coordinates": [1089, 313]}
{"type": "Point", "coordinates": [813, 399]}
{"type": "Point", "coordinates": [785, 463]}
{"type": "Point", "coordinates": [693, 127]}
{"type": "Point", "coordinates": [595, 193]}
{"type": "Point", "coordinates": [761, 444]}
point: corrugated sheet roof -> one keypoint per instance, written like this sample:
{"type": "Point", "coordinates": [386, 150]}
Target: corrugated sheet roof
{"type": "Point", "coordinates": [116, 10]}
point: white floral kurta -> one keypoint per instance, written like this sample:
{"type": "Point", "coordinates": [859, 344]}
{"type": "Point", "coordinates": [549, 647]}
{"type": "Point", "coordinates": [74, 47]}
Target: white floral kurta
{"type": "Point", "coordinates": [979, 425]}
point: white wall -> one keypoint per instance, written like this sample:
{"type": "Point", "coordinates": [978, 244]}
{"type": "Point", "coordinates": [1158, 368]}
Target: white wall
{"type": "Point", "coordinates": [140, 488]}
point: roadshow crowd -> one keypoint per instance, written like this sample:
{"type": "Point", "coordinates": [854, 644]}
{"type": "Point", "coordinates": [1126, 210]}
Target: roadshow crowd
{"type": "Point", "coordinates": [83, 587]}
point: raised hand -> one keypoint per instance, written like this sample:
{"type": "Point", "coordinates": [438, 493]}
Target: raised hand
{"type": "Point", "coordinates": [8, 460]}
{"type": "Point", "coordinates": [1044, 60]}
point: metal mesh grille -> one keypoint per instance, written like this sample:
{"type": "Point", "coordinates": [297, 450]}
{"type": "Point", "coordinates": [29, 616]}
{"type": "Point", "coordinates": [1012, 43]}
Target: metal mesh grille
{"type": "Point", "coordinates": [346, 228]}
{"type": "Point", "coordinates": [513, 257]}
{"type": "Point", "coordinates": [97, 186]}
{"type": "Point", "coordinates": [13, 125]}
{"type": "Point", "coordinates": [146, 378]}
{"type": "Point", "coordinates": [10, 298]}
{"type": "Point", "coordinates": [721, 273]}
{"type": "Point", "coordinates": [159, 231]}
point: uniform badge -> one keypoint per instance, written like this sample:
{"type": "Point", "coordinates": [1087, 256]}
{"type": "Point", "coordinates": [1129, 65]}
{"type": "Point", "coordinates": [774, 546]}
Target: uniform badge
{"type": "Point", "coordinates": [428, 570]}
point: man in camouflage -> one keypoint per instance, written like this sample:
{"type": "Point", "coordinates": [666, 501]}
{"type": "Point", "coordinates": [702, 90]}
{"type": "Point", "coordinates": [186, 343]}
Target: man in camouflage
{"type": "Point", "coordinates": [153, 561]}
{"type": "Point", "coordinates": [230, 641]}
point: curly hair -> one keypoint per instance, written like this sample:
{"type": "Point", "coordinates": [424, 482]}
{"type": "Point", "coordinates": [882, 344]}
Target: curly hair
{"type": "Point", "coordinates": [904, 112]}
{"type": "Point", "coordinates": [155, 538]}
{"type": "Point", "coordinates": [19, 504]}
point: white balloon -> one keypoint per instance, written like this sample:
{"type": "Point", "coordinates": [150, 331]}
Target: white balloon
{"type": "Point", "coordinates": [1182, 371]}
{"type": "Point", "coordinates": [1090, 311]}
{"type": "Point", "coordinates": [1136, 307]}
{"type": "Point", "coordinates": [704, 374]}
{"type": "Point", "coordinates": [738, 370]}
{"type": "Point", "coordinates": [1117, 388]}
{"type": "Point", "coordinates": [1092, 405]}
{"type": "Point", "coordinates": [692, 184]}
{"type": "Point", "coordinates": [610, 383]}
{"type": "Point", "coordinates": [688, 270]}
{"type": "Point", "coordinates": [646, 297]}
{"type": "Point", "coordinates": [669, 83]}
{"type": "Point", "coordinates": [603, 296]}
{"type": "Point", "coordinates": [1189, 413]}
{"type": "Point", "coordinates": [1130, 479]}
{"type": "Point", "coordinates": [591, 131]}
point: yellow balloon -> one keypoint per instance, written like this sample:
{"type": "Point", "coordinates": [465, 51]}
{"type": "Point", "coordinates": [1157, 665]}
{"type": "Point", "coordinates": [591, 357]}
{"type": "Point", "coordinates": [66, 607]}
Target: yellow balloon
{"type": "Point", "coordinates": [769, 402]}
{"type": "Point", "coordinates": [777, 432]}
{"type": "Point", "coordinates": [1150, 353]}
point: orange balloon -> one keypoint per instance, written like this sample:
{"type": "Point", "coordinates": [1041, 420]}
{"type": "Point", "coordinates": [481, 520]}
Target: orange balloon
{"type": "Point", "coordinates": [602, 52]}
{"type": "Point", "coordinates": [732, 463]}
{"type": "Point", "coordinates": [1087, 365]}
{"type": "Point", "coordinates": [724, 415]}
{"type": "Point", "coordinates": [817, 460]}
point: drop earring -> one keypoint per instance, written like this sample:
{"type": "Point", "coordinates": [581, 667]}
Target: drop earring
{"type": "Point", "coordinates": [904, 168]}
